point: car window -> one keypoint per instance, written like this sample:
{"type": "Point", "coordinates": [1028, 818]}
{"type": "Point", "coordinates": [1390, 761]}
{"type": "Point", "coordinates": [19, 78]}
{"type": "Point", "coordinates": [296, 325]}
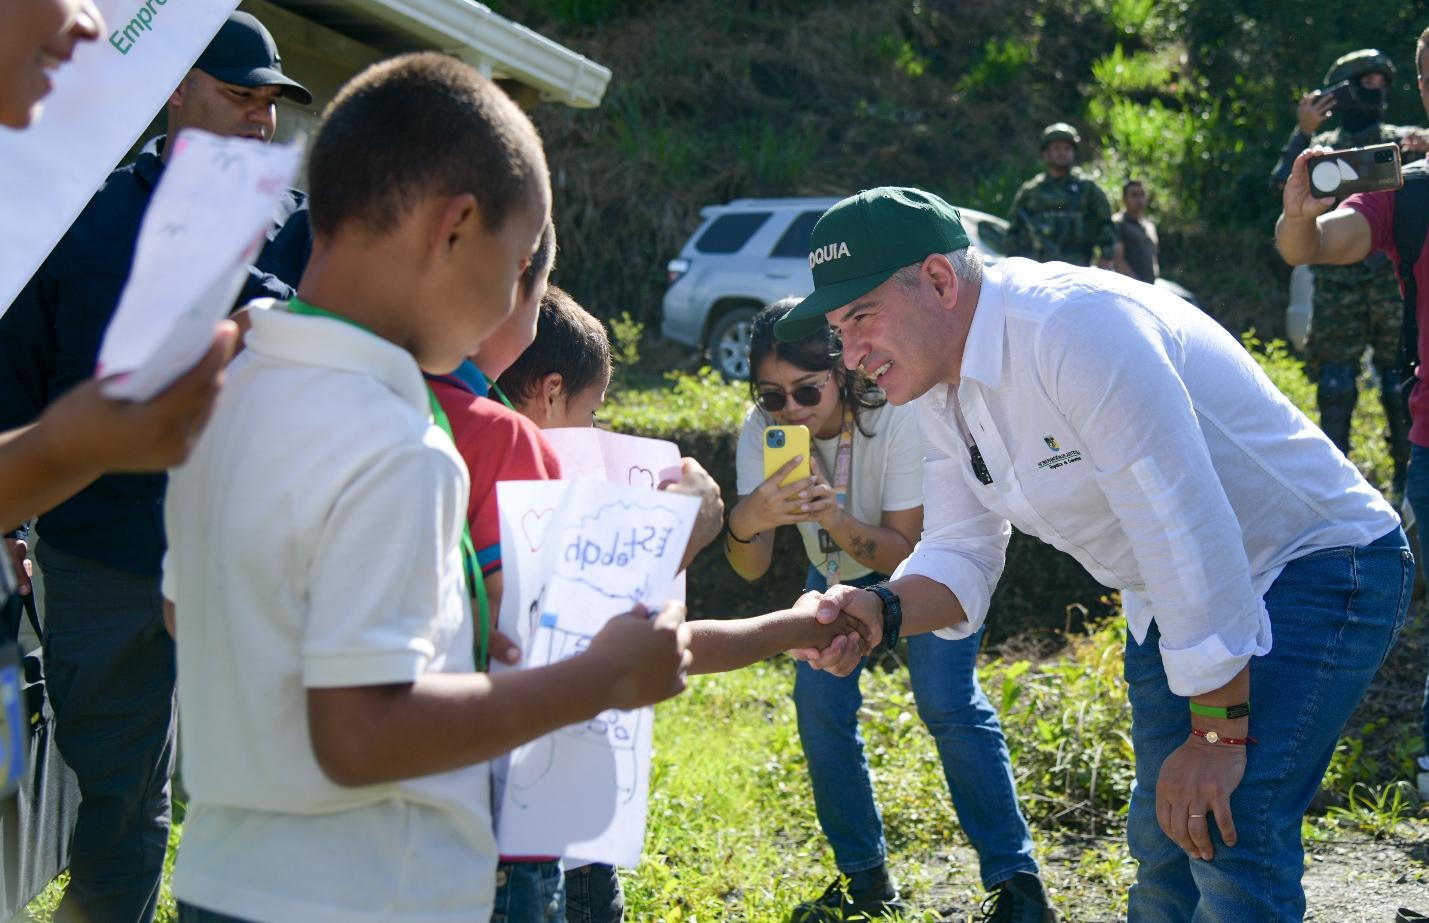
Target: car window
{"type": "Point", "coordinates": [992, 236]}
{"type": "Point", "coordinates": [795, 241]}
{"type": "Point", "coordinates": [730, 232]}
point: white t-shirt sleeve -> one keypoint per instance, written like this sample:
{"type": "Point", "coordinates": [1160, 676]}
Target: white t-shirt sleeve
{"type": "Point", "coordinates": [378, 572]}
{"type": "Point", "coordinates": [903, 470]}
{"type": "Point", "coordinates": [749, 454]}
{"type": "Point", "coordinates": [1111, 367]}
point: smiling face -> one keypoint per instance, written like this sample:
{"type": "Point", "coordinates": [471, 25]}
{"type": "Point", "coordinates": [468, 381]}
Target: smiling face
{"type": "Point", "coordinates": [824, 416]}
{"type": "Point", "coordinates": [225, 109]}
{"type": "Point", "coordinates": [908, 333]}
{"type": "Point", "coordinates": [39, 36]}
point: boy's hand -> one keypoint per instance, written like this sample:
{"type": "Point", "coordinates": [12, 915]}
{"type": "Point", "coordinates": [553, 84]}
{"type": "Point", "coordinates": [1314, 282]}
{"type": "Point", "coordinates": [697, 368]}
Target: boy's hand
{"type": "Point", "coordinates": [152, 435]}
{"type": "Point", "coordinates": [696, 482]}
{"type": "Point", "coordinates": [503, 650]}
{"type": "Point", "coordinates": [644, 658]}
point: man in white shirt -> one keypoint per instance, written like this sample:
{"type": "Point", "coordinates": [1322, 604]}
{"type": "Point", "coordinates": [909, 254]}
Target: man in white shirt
{"type": "Point", "coordinates": [1121, 425]}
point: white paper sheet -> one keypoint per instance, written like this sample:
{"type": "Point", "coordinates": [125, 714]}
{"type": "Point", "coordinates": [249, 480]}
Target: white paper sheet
{"type": "Point", "coordinates": [204, 225]}
{"type": "Point", "coordinates": [102, 101]}
{"type": "Point", "coordinates": [574, 554]}
{"type": "Point", "coordinates": [586, 452]}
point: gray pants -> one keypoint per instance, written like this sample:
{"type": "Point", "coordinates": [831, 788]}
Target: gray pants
{"type": "Point", "coordinates": [110, 674]}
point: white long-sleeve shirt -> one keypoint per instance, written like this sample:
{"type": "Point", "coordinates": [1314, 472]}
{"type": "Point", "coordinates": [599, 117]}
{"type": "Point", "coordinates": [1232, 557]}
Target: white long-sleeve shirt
{"type": "Point", "coordinates": [1126, 428]}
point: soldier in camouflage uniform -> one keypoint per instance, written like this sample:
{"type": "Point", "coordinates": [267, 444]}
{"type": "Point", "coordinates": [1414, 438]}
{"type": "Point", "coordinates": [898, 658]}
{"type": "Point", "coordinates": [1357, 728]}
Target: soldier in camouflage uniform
{"type": "Point", "coordinates": [1355, 306]}
{"type": "Point", "coordinates": [1061, 214]}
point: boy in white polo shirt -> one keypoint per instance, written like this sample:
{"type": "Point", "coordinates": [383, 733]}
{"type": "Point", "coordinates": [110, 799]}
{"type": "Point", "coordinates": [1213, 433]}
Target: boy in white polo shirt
{"type": "Point", "coordinates": [334, 729]}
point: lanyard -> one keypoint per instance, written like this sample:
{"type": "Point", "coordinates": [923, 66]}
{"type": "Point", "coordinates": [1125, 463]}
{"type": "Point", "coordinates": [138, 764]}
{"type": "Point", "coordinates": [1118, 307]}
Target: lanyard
{"type": "Point", "coordinates": [495, 389]}
{"type": "Point", "coordinates": [475, 586]}
{"type": "Point", "coordinates": [843, 473]}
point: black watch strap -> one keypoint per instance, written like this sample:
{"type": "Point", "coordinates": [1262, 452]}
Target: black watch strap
{"type": "Point", "coordinates": [892, 614]}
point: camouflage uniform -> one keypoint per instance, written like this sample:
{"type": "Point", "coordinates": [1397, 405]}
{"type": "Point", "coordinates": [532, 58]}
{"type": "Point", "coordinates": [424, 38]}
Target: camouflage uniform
{"type": "Point", "coordinates": [1060, 218]}
{"type": "Point", "coordinates": [1355, 306]}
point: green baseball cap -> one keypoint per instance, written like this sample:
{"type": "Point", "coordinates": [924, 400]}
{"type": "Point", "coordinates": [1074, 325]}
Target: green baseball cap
{"type": "Point", "coordinates": [863, 240]}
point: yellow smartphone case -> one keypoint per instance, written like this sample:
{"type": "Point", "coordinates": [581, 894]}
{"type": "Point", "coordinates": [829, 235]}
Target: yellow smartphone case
{"type": "Point", "coordinates": [782, 443]}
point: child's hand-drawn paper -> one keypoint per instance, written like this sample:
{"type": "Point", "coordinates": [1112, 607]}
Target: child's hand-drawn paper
{"type": "Point", "coordinates": [584, 551]}
{"type": "Point", "coordinates": [586, 452]}
{"type": "Point", "coordinates": [203, 226]}
{"type": "Point", "coordinates": [102, 101]}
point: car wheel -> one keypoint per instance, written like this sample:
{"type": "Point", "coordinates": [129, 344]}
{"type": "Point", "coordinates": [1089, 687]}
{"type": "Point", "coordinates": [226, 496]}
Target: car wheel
{"type": "Point", "coordinates": [728, 344]}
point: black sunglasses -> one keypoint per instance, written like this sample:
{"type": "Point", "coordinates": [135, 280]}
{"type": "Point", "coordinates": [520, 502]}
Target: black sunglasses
{"type": "Point", "coordinates": [804, 396]}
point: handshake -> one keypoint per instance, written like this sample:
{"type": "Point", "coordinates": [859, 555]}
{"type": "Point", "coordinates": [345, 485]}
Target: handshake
{"type": "Point", "coordinates": [849, 625]}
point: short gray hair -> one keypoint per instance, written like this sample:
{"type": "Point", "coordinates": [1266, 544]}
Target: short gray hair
{"type": "Point", "coordinates": [967, 266]}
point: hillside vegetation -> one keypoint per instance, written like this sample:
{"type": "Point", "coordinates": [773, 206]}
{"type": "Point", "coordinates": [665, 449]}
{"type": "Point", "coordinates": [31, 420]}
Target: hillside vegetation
{"type": "Point", "coordinates": [718, 99]}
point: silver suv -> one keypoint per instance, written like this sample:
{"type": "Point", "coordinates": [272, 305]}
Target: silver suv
{"type": "Point", "coordinates": [749, 253]}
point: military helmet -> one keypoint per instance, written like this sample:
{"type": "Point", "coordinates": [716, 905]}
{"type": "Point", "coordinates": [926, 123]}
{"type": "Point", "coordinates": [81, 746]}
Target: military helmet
{"type": "Point", "coordinates": [1357, 64]}
{"type": "Point", "coordinates": [1060, 131]}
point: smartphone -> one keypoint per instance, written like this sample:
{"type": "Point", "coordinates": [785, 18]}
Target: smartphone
{"type": "Point", "coordinates": [1343, 94]}
{"type": "Point", "coordinates": [1357, 169]}
{"type": "Point", "coordinates": [782, 443]}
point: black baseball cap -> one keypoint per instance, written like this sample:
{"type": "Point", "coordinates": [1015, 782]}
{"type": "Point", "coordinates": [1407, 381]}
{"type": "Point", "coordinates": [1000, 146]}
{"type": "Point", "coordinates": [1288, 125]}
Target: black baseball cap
{"type": "Point", "coordinates": [244, 54]}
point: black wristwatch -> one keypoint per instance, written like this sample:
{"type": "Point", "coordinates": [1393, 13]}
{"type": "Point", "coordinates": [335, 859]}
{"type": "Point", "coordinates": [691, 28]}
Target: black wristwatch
{"type": "Point", "coordinates": [892, 614]}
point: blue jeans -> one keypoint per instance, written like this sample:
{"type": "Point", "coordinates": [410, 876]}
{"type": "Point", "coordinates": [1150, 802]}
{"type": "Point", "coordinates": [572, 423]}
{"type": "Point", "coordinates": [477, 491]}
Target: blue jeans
{"type": "Point", "coordinates": [594, 895]}
{"type": "Point", "coordinates": [109, 669]}
{"type": "Point", "coordinates": [529, 892]}
{"type": "Point", "coordinates": [969, 740]}
{"type": "Point", "coordinates": [1417, 491]}
{"type": "Point", "coordinates": [1334, 615]}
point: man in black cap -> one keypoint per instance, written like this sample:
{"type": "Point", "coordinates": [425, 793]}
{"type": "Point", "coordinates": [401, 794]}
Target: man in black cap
{"type": "Point", "coordinates": [110, 662]}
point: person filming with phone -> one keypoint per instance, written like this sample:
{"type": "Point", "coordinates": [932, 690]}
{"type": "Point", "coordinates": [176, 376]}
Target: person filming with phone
{"type": "Point", "coordinates": [1312, 230]}
{"type": "Point", "coordinates": [859, 511]}
{"type": "Point", "coordinates": [1355, 306]}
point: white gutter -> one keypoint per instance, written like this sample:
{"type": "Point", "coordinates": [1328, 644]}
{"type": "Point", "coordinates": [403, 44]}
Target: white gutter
{"type": "Point", "coordinates": [498, 46]}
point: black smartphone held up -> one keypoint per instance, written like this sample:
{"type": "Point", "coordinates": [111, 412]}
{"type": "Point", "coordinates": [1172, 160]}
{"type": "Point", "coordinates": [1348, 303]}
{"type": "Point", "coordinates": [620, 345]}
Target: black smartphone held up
{"type": "Point", "coordinates": [1357, 169]}
{"type": "Point", "coordinates": [1341, 92]}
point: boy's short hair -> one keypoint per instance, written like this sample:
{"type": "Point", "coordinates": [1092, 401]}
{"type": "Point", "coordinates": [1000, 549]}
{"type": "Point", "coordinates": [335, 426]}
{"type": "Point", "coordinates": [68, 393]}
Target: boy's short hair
{"type": "Point", "coordinates": [1126, 186]}
{"type": "Point", "coordinates": [541, 261]}
{"type": "Point", "coordinates": [419, 125]}
{"type": "Point", "coordinates": [569, 340]}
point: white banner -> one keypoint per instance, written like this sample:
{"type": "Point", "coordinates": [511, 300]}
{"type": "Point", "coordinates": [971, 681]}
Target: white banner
{"type": "Point", "coordinates": [102, 101]}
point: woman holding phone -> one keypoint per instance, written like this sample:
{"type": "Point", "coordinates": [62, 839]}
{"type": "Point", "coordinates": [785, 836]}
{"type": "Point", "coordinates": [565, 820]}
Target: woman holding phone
{"type": "Point", "coordinates": [859, 514]}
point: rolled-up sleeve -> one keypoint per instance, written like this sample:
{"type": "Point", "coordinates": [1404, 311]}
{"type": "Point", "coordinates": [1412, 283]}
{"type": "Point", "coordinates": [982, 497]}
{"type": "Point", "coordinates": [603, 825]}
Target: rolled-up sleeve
{"type": "Point", "coordinates": [1113, 369]}
{"type": "Point", "coordinates": [964, 545]}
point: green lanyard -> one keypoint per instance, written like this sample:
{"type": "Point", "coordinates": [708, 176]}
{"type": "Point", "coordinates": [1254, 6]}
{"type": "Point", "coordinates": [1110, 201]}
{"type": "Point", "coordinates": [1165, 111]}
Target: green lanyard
{"type": "Point", "coordinates": [499, 393]}
{"type": "Point", "coordinates": [475, 585]}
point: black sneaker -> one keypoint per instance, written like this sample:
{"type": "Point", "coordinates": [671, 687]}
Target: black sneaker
{"type": "Point", "coordinates": [1019, 899]}
{"type": "Point", "coordinates": [862, 896]}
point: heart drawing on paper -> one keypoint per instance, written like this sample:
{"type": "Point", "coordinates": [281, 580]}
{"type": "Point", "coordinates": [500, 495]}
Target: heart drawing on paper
{"type": "Point", "coordinates": [533, 525]}
{"type": "Point", "coordinates": [640, 477]}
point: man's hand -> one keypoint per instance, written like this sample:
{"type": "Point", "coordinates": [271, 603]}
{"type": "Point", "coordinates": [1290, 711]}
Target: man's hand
{"type": "Point", "coordinates": [1415, 141]}
{"type": "Point", "coordinates": [645, 658]}
{"type": "Point", "coordinates": [1297, 202]}
{"type": "Point", "coordinates": [1314, 108]}
{"type": "Point", "coordinates": [842, 656]}
{"type": "Point", "coordinates": [1195, 785]}
{"type": "Point", "coordinates": [130, 436]}
{"type": "Point", "coordinates": [695, 481]}
{"type": "Point", "coordinates": [18, 551]}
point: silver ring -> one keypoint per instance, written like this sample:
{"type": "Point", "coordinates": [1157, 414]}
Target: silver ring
{"type": "Point", "coordinates": [1198, 815]}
